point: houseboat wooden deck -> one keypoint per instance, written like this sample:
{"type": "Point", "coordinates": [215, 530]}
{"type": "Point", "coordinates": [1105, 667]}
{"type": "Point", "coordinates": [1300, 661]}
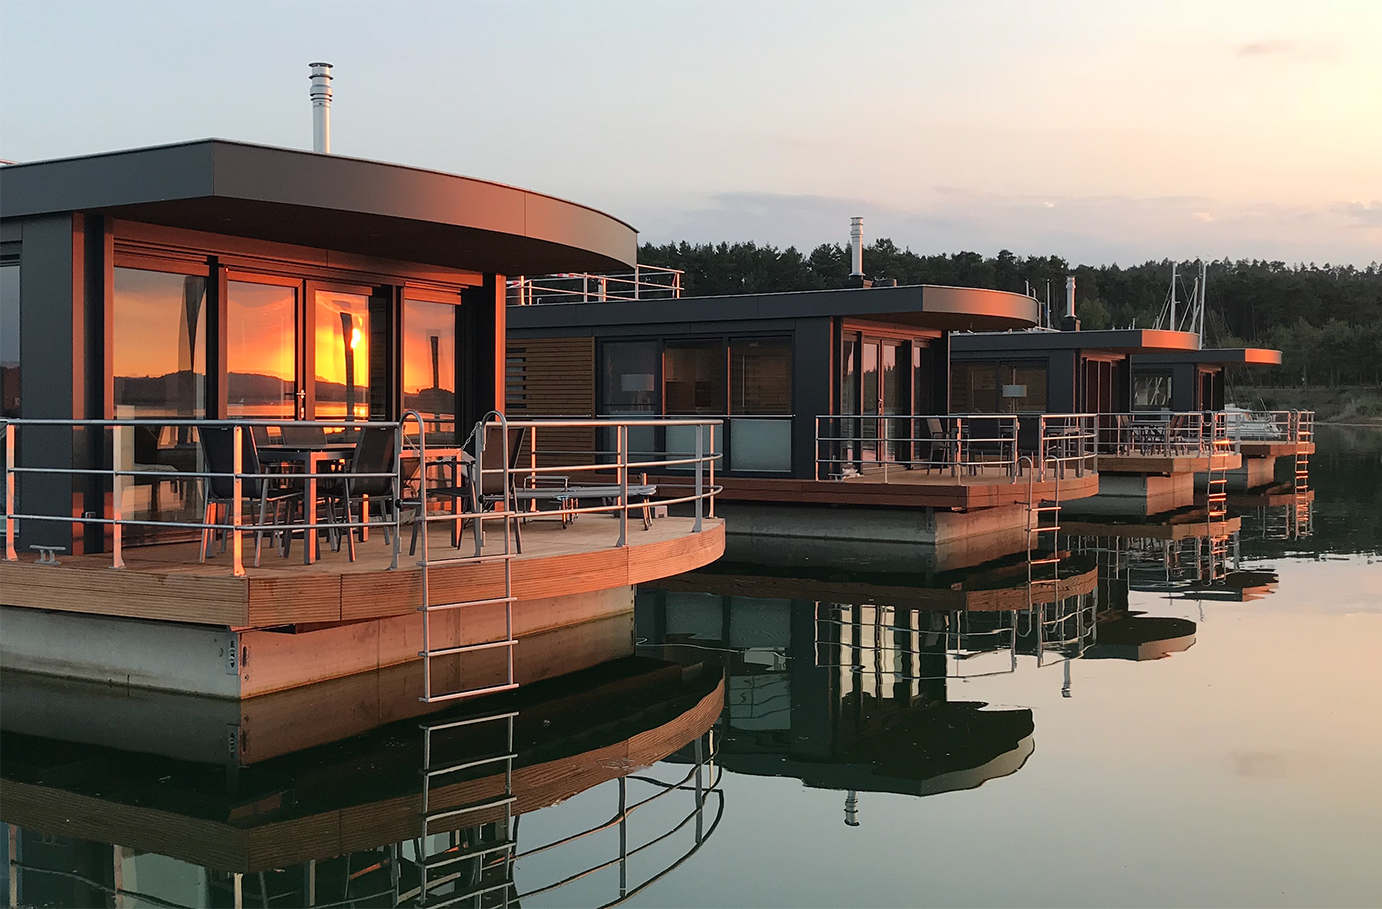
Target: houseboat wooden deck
{"type": "Point", "coordinates": [167, 582]}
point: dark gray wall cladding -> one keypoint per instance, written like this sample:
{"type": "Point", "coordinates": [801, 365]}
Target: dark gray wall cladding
{"type": "Point", "coordinates": [51, 347]}
{"type": "Point", "coordinates": [811, 387]}
{"type": "Point", "coordinates": [1062, 376]}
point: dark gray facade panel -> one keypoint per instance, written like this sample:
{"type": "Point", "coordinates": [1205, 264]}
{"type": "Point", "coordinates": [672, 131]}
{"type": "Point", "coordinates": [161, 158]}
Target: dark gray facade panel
{"type": "Point", "coordinates": [52, 351]}
{"type": "Point", "coordinates": [1062, 381]}
{"type": "Point", "coordinates": [10, 231]}
{"type": "Point", "coordinates": [812, 385]}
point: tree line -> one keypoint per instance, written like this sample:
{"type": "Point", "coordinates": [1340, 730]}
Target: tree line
{"type": "Point", "coordinates": [1326, 319]}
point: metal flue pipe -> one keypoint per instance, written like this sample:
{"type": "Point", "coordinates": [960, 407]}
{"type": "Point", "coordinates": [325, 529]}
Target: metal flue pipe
{"type": "Point", "coordinates": [1070, 296]}
{"type": "Point", "coordinates": [321, 107]}
{"type": "Point", "coordinates": [856, 247]}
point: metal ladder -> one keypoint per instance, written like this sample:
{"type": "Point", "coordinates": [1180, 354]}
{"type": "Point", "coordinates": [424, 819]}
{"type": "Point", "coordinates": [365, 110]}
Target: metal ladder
{"type": "Point", "coordinates": [432, 604]}
{"type": "Point", "coordinates": [473, 865]}
{"type": "Point", "coordinates": [1216, 506]}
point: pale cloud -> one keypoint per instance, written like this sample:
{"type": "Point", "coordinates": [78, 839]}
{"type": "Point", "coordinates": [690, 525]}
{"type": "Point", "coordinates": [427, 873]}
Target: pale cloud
{"type": "Point", "coordinates": [1283, 49]}
{"type": "Point", "coordinates": [1083, 229]}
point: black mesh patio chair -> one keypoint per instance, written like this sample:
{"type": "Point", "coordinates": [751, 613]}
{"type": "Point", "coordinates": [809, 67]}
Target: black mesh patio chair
{"type": "Point", "coordinates": [218, 449]}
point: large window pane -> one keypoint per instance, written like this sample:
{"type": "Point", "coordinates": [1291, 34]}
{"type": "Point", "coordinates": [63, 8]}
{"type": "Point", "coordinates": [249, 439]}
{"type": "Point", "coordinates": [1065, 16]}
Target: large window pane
{"type": "Point", "coordinates": [261, 359]}
{"type": "Point", "coordinates": [973, 387]}
{"type": "Point", "coordinates": [342, 356]}
{"type": "Point", "coordinates": [1151, 392]}
{"type": "Point", "coordinates": [159, 343]}
{"type": "Point", "coordinates": [1024, 389]}
{"type": "Point", "coordinates": [429, 359]}
{"type": "Point", "coordinates": [760, 376]}
{"type": "Point", "coordinates": [629, 378]}
{"type": "Point", "coordinates": [694, 378]}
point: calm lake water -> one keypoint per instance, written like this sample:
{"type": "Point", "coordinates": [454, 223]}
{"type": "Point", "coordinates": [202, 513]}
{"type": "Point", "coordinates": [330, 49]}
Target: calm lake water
{"type": "Point", "coordinates": [1183, 720]}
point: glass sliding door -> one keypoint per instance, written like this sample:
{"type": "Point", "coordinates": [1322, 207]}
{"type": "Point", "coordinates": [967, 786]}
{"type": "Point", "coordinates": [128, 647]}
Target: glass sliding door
{"type": "Point", "coordinates": [342, 362]}
{"type": "Point", "coordinates": [892, 398]}
{"type": "Point", "coordinates": [429, 362]}
{"type": "Point", "coordinates": [262, 351]}
{"type": "Point", "coordinates": [158, 367]}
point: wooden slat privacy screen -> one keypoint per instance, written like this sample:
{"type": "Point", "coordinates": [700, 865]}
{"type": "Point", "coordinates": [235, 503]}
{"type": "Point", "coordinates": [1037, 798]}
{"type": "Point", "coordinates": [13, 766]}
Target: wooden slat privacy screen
{"type": "Point", "coordinates": [553, 377]}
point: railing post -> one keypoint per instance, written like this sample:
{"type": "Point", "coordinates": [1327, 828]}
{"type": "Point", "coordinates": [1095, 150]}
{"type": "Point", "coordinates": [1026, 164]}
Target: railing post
{"type": "Point", "coordinates": [622, 436]}
{"type": "Point", "coordinates": [710, 469]}
{"type": "Point", "coordinates": [10, 555]}
{"type": "Point", "coordinates": [700, 455]}
{"type": "Point", "coordinates": [237, 501]}
{"type": "Point", "coordinates": [397, 482]}
{"type": "Point", "coordinates": [118, 435]}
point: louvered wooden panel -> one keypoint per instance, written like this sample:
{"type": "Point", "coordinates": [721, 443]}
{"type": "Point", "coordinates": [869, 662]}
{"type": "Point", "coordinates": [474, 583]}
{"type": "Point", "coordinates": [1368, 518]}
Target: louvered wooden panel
{"type": "Point", "coordinates": [549, 377]}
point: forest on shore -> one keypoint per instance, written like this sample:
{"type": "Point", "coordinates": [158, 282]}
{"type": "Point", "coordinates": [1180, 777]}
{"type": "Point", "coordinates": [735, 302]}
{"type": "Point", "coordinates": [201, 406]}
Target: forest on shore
{"type": "Point", "coordinates": [1325, 319]}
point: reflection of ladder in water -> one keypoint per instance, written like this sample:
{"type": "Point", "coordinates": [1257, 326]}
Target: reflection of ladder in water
{"type": "Point", "coordinates": [1216, 503]}
{"type": "Point", "coordinates": [1301, 513]}
{"type": "Point", "coordinates": [1043, 517]}
{"type": "Point", "coordinates": [434, 602]}
{"type": "Point", "coordinates": [475, 864]}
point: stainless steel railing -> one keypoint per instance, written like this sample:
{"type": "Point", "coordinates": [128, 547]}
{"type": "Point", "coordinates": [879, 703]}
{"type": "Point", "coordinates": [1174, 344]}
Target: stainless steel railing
{"type": "Point", "coordinates": [851, 445]}
{"type": "Point", "coordinates": [1294, 426]}
{"type": "Point", "coordinates": [645, 282]}
{"type": "Point", "coordinates": [109, 474]}
{"type": "Point", "coordinates": [1165, 434]}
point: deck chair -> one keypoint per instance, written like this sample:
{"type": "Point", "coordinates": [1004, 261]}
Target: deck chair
{"type": "Point", "coordinates": [375, 453]}
{"type": "Point", "coordinates": [218, 448]}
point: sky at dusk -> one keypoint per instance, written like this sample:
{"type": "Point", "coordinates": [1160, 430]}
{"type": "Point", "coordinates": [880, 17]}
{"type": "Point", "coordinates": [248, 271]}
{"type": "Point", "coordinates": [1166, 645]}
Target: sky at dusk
{"type": "Point", "coordinates": [1096, 131]}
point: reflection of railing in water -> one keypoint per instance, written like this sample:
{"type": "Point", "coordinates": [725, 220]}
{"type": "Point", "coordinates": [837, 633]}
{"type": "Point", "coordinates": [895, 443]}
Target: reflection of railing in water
{"type": "Point", "coordinates": [392, 874]}
{"type": "Point", "coordinates": [1155, 565]}
{"type": "Point", "coordinates": [703, 779]}
{"type": "Point", "coordinates": [883, 642]}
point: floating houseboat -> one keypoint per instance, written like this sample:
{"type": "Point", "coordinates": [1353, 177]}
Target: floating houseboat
{"type": "Point", "coordinates": [249, 376]}
{"type": "Point", "coordinates": [839, 438]}
{"type": "Point", "coordinates": [1159, 401]}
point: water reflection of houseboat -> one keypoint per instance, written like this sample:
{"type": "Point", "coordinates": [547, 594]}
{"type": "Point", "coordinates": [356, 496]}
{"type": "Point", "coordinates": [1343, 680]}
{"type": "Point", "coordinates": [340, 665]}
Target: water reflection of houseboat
{"type": "Point", "coordinates": [344, 320]}
{"type": "Point", "coordinates": [349, 822]}
{"type": "Point", "coordinates": [1187, 552]}
{"type": "Point", "coordinates": [841, 680]}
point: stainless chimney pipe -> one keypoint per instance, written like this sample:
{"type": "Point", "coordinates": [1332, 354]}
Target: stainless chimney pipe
{"type": "Point", "coordinates": [321, 107]}
{"type": "Point", "coordinates": [856, 247]}
{"type": "Point", "coordinates": [1070, 296]}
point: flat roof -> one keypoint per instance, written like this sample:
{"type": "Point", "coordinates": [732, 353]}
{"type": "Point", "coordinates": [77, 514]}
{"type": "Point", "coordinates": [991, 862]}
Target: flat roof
{"type": "Point", "coordinates": [1115, 340]}
{"type": "Point", "coordinates": [919, 306]}
{"type": "Point", "coordinates": [328, 202]}
{"type": "Point", "coordinates": [1223, 356]}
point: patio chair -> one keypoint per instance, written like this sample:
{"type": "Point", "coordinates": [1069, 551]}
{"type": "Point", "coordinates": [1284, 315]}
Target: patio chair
{"type": "Point", "coordinates": [375, 453]}
{"type": "Point", "coordinates": [218, 449]}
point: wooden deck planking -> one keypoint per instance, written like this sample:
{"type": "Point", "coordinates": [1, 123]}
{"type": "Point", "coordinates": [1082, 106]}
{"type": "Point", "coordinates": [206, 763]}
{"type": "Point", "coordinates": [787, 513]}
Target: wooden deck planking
{"type": "Point", "coordinates": [166, 582]}
{"type": "Point", "coordinates": [1167, 465]}
{"type": "Point", "coordinates": [906, 489]}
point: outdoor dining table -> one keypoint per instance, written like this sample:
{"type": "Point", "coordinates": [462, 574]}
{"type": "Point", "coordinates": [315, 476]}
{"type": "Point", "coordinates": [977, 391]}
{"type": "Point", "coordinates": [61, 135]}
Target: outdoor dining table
{"type": "Point", "coordinates": [312, 458]}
